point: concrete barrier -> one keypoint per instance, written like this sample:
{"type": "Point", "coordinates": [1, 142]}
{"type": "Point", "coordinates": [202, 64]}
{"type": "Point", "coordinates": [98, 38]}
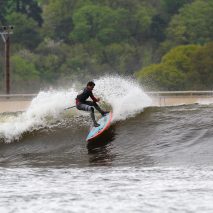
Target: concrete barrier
{"type": "Point", "coordinates": [15, 102]}
{"type": "Point", "coordinates": [20, 102]}
{"type": "Point", "coordinates": [171, 98]}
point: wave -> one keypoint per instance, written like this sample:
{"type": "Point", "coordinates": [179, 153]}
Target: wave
{"type": "Point", "coordinates": [124, 96]}
{"type": "Point", "coordinates": [178, 135]}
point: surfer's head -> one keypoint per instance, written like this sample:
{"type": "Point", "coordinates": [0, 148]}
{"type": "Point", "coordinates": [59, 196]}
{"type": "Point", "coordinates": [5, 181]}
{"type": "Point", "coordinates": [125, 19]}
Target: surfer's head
{"type": "Point", "coordinates": [90, 85]}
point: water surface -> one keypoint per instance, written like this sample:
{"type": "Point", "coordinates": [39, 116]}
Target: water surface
{"type": "Point", "coordinates": [157, 159]}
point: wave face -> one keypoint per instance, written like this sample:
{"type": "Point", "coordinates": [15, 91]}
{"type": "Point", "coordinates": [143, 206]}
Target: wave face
{"type": "Point", "coordinates": [170, 136]}
{"type": "Point", "coordinates": [161, 156]}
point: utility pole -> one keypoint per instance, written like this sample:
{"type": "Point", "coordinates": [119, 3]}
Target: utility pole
{"type": "Point", "coordinates": [5, 32]}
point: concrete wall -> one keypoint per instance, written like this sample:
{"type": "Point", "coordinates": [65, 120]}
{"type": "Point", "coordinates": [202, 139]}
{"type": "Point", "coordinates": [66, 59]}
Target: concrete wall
{"type": "Point", "coordinates": [15, 103]}
{"type": "Point", "coordinates": [181, 97]}
{"type": "Point", "coordinates": [20, 102]}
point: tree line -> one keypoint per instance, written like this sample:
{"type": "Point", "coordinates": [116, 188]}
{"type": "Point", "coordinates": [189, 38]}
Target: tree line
{"type": "Point", "coordinates": [165, 44]}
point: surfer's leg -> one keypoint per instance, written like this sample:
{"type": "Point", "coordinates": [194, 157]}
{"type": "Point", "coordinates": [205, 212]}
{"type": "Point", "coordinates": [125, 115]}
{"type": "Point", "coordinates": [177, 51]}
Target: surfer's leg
{"type": "Point", "coordinates": [90, 109]}
{"type": "Point", "coordinates": [83, 107]}
{"type": "Point", "coordinates": [92, 114]}
{"type": "Point", "coordinates": [97, 107]}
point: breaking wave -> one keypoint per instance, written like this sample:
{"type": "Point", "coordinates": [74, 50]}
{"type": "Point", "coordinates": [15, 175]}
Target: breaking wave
{"type": "Point", "coordinates": [124, 96]}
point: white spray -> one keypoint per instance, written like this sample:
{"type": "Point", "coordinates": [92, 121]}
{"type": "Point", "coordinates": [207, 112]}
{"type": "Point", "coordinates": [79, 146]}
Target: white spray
{"type": "Point", "coordinates": [125, 96]}
{"type": "Point", "coordinates": [45, 105]}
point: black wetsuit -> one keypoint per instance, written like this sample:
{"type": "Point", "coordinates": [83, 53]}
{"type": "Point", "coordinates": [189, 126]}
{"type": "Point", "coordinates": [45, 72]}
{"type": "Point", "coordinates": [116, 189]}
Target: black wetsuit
{"type": "Point", "coordinates": [84, 95]}
{"type": "Point", "coordinates": [83, 104]}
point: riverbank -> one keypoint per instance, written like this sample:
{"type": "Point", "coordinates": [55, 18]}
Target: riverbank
{"type": "Point", "coordinates": [20, 102]}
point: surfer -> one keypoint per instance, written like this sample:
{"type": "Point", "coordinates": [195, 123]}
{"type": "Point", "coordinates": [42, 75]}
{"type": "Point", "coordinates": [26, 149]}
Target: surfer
{"type": "Point", "coordinates": [83, 104]}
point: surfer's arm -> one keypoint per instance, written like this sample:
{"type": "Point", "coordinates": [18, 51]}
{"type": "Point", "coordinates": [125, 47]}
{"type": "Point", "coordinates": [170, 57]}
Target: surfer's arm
{"type": "Point", "coordinates": [94, 98]}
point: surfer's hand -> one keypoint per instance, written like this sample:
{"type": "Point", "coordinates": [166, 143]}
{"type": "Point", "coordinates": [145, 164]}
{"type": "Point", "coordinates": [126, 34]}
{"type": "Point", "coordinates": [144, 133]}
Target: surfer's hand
{"type": "Point", "coordinates": [98, 99]}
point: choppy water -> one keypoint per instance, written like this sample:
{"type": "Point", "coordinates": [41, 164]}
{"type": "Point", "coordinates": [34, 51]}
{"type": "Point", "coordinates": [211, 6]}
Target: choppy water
{"type": "Point", "coordinates": [157, 159]}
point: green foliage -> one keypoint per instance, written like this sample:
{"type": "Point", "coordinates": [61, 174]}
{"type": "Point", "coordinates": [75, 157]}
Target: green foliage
{"type": "Point", "coordinates": [120, 57]}
{"type": "Point", "coordinates": [26, 31]}
{"type": "Point", "coordinates": [83, 39]}
{"type": "Point", "coordinates": [161, 77]}
{"type": "Point", "coordinates": [50, 57]}
{"type": "Point", "coordinates": [183, 68]}
{"type": "Point", "coordinates": [173, 6]}
{"type": "Point", "coordinates": [101, 23]}
{"type": "Point", "coordinates": [193, 24]}
{"type": "Point", "coordinates": [6, 7]}
{"type": "Point", "coordinates": [180, 57]}
{"type": "Point", "coordinates": [23, 69]}
{"type": "Point", "coordinates": [25, 75]}
{"type": "Point", "coordinates": [76, 61]}
{"type": "Point", "coordinates": [57, 17]}
{"type": "Point", "coordinates": [142, 20]}
{"type": "Point", "coordinates": [202, 65]}
{"type": "Point", "coordinates": [48, 66]}
{"type": "Point", "coordinates": [130, 5]}
{"type": "Point", "coordinates": [30, 8]}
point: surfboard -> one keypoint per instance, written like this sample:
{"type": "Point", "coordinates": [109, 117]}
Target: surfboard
{"type": "Point", "coordinates": [104, 122]}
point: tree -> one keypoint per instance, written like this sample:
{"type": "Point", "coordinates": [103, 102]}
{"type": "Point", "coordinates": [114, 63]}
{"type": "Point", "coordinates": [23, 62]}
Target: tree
{"type": "Point", "coordinates": [6, 7]}
{"type": "Point", "coordinates": [174, 72]}
{"type": "Point", "coordinates": [102, 23]}
{"type": "Point", "coordinates": [162, 77]}
{"type": "Point", "coordinates": [25, 75]}
{"type": "Point", "coordinates": [193, 25]}
{"type": "Point", "coordinates": [120, 57]}
{"type": "Point", "coordinates": [57, 17]}
{"type": "Point", "coordinates": [180, 57]}
{"type": "Point", "coordinates": [142, 22]}
{"type": "Point", "coordinates": [172, 7]}
{"type": "Point", "coordinates": [26, 31]}
{"type": "Point", "coordinates": [23, 69]}
{"type": "Point", "coordinates": [82, 38]}
{"type": "Point", "coordinates": [30, 8]}
{"type": "Point", "coordinates": [202, 65]}
{"type": "Point", "coordinates": [52, 55]}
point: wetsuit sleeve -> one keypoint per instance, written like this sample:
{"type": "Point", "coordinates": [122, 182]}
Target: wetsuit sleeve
{"type": "Point", "coordinates": [93, 97]}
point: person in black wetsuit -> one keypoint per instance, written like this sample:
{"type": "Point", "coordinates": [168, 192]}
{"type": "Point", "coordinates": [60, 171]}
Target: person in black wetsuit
{"type": "Point", "coordinates": [83, 104]}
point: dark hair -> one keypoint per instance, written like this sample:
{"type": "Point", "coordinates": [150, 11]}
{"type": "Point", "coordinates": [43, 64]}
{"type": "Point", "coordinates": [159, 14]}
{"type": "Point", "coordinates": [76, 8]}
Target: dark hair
{"type": "Point", "coordinates": [90, 83]}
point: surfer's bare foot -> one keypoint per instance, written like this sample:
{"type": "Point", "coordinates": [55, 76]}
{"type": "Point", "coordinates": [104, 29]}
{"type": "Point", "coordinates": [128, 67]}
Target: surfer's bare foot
{"type": "Point", "coordinates": [96, 125]}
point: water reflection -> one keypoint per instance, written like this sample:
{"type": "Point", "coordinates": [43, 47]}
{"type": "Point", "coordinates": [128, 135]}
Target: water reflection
{"type": "Point", "coordinates": [102, 140]}
{"type": "Point", "coordinates": [100, 150]}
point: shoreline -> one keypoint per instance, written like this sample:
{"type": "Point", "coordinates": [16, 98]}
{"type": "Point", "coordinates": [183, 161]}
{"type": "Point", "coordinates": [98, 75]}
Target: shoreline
{"type": "Point", "coordinates": [20, 102]}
